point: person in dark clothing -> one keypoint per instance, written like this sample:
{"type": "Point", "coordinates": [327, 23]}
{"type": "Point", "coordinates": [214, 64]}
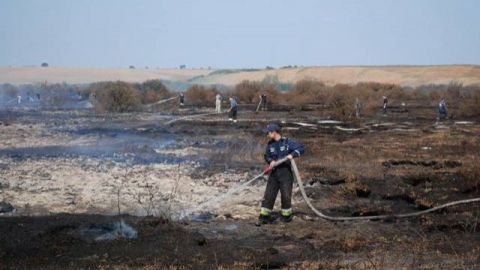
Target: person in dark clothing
{"type": "Point", "coordinates": [385, 104]}
{"type": "Point", "coordinates": [281, 177]}
{"type": "Point", "coordinates": [182, 99]}
{"type": "Point", "coordinates": [263, 102]}
{"type": "Point", "coordinates": [358, 107]}
{"type": "Point", "coordinates": [442, 110]}
{"type": "Point", "coordinates": [233, 110]}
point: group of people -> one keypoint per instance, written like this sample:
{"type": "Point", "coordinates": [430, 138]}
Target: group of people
{"type": "Point", "coordinates": [232, 111]}
{"type": "Point", "coordinates": [442, 108]}
{"type": "Point", "coordinates": [30, 98]}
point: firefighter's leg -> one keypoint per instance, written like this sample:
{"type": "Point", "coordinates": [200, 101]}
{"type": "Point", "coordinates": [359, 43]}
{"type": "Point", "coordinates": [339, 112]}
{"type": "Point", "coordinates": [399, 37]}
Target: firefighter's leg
{"type": "Point", "coordinates": [268, 201]}
{"type": "Point", "coordinates": [286, 185]}
{"type": "Point", "coordinates": [234, 115]}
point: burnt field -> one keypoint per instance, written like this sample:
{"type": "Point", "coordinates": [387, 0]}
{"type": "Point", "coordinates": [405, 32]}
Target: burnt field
{"type": "Point", "coordinates": [71, 179]}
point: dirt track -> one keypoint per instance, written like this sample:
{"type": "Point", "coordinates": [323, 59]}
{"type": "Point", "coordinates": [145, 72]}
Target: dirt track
{"type": "Point", "coordinates": [81, 163]}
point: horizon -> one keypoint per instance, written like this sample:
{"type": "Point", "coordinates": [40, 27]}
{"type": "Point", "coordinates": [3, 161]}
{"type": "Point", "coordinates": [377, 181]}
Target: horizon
{"type": "Point", "coordinates": [246, 69]}
{"type": "Point", "coordinates": [234, 35]}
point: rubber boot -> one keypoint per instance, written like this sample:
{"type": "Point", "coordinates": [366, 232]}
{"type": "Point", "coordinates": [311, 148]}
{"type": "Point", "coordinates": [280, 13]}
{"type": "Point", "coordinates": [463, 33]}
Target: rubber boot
{"type": "Point", "coordinates": [287, 218]}
{"type": "Point", "coordinates": [263, 219]}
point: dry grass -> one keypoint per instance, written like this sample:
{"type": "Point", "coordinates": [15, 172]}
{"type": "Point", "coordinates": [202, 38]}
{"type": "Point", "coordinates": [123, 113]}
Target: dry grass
{"type": "Point", "coordinates": [115, 96]}
{"type": "Point", "coordinates": [200, 95]}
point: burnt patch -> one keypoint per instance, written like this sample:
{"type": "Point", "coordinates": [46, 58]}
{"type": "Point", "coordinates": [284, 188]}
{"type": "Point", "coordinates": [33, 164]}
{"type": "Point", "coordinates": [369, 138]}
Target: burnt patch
{"type": "Point", "coordinates": [399, 197]}
{"type": "Point", "coordinates": [330, 181]}
{"type": "Point", "coordinates": [425, 163]}
{"type": "Point", "coordinates": [362, 193]}
{"type": "Point", "coordinates": [416, 180]}
{"type": "Point", "coordinates": [475, 189]}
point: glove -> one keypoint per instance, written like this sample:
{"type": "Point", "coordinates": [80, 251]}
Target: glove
{"type": "Point", "coordinates": [266, 169]}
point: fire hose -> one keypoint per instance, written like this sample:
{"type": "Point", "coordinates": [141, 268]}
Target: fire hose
{"type": "Point", "coordinates": [297, 177]}
{"type": "Point", "coordinates": [160, 102]}
{"type": "Point", "coordinates": [188, 117]}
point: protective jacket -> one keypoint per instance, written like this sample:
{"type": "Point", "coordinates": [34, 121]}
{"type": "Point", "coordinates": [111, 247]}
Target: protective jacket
{"type": "Point", "coordinates": [279, 149]}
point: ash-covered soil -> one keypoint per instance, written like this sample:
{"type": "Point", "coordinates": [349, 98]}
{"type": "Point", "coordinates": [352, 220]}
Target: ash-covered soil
{"type": "Point", "coordinates": [68, 177]}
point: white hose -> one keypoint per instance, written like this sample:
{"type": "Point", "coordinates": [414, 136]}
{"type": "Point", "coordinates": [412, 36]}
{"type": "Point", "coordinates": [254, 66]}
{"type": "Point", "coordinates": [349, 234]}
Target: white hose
{"type": "Point", "coordinates": [188, 117]}
{"type": "Point", "coordinates": [296, 175]}
{"type": "Point", "coordinates": [160, 102]}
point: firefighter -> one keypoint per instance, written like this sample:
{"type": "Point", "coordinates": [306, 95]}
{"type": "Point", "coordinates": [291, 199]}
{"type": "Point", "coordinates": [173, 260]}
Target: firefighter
{"type": "Point", "coordinates": [182, 99]}
{"type": "Point", "coordinates": [442, 109]}
{"type": "Point", "coordinates": [218, 103]}
{"type": "Point", "coordinates": [385, 104]}
{"type": "Point", "coordinates": [358, 107]}
{"type": "Point", "coordinates": [263, 102]}
{"type": "Point", "coordinates": [233, 110]}
{"type": "Point", "coordinates": [281, 177]}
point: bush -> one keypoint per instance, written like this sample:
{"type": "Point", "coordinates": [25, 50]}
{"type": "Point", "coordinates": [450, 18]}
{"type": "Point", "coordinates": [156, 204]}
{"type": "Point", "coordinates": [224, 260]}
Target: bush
{"type": "Point", "coordinates": [200, 95]}
{"type": "Point", "coordinates": [248, 92]}
{"type": "Point", "coordinates": [307, 92]}
{"type": "Point", "coordinates": [8, 91]}
{"type": "Point", "coordinates": [115, 96]}
{"type": "Point", "coordinates": [153, 91]}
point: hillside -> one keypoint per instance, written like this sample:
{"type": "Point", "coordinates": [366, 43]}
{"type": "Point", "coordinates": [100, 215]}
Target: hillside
{"type": "Point", "coordinates": [25, 75]}
{"type": "Point", "coordinates": [403, 75]}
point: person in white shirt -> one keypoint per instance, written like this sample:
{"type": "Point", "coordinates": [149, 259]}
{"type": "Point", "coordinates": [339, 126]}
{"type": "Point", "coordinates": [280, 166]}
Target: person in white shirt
{"type": "Point", "coordinates": [218, 103]}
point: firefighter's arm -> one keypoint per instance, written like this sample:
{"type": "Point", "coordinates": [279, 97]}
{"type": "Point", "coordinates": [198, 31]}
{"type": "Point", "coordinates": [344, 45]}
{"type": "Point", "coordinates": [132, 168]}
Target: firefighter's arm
{"type": "Point", "coordinates": [267, 156]}
{"type": "Point", "coordinates": [295, 148]}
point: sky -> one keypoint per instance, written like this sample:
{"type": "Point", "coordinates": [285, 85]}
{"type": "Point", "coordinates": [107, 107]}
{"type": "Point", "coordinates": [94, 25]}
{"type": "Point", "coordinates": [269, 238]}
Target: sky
{"type": "Point", "coordinates": [238, 34]}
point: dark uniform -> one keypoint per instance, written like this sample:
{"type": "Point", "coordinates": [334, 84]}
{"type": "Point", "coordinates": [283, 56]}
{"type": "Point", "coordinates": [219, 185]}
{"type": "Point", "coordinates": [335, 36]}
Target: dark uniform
{"type": "Point", "coordinates": [182, 99]}
{"type": "Point", "coordinates": [233, 109]}
{"type": "Point", "coordinates": [385, 104]}
{"type": "Point", "coordinates": [442, 110]}
{"type": "Point", "coordinates": [281, 177]}
{"type": "Point", "coordinates": [263, 102]}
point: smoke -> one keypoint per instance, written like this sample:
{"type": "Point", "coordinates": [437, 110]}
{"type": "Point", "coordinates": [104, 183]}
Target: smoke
{"type": "Point", "coordinates": [118, 230]}
{"type": "Point", "coordinates": [43, 96]}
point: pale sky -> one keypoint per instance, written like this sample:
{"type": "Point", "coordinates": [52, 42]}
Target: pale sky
{"type": "Point", "coordinates": [238, 34]}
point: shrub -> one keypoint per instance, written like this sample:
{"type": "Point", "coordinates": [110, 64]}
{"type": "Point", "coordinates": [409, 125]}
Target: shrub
{"type": "Point", "coordinates": [307, 92]}
{"type": "Point", "coordinates": [115, 96]}
{"type": "Point", "coordinates": [153, 91]}
{"type": "Point", "coordinates": [200, 95]}
{"type": "Point", "coordinates": [9, 90]}
{"type": "Point", "coordinates": [247, 92]}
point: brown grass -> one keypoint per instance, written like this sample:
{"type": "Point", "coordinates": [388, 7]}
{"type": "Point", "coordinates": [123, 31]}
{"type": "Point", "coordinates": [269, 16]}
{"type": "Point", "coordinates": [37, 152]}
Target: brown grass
{"type": "Point", "coordinates": [201, 95]}
{"type": "Point", "coordinates": [115, 96]}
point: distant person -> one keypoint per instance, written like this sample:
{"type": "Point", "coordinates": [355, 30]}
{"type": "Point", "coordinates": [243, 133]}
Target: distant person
{"type": "Point", "coordinates": [385, 104]}
{"type": "Point", "coordinates": [182, 99]}
{"type": "Point", "coordinates": [233, 110]}
{"type": "Point", "coordinates": [263, 102]}
{"type": "Point", "coordinates": [358, 107]}
{"type": "Point", "coordinates": [19, 99]}
{"type": "Point", "coordinates": [442, 110]}
{"type": "Point", "coordinates": [218, 103]}
{"type": "Point", "coordinates": [38, 96]}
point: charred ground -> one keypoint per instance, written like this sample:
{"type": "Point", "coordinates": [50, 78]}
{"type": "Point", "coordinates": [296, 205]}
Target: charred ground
{"type": "Point", "coordinates": [102, 168]}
